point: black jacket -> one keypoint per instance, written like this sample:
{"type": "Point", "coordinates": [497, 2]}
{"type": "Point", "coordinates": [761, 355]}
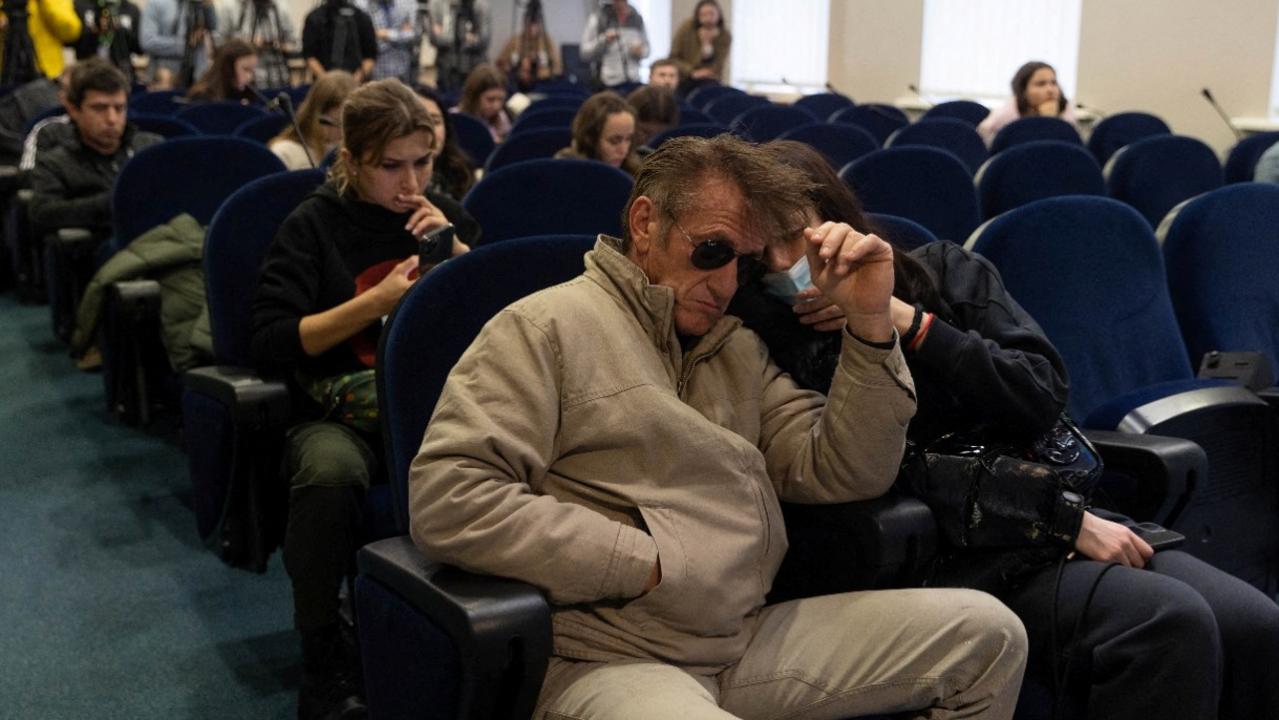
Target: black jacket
{"type": "Point", "coordinates": [321, 31]}
{"type": "Point", "coordinates": [71, 183]}
{"type": "Point", "coordinates": [315, 263]}
{"type": "Point", "coordinates": [119, 37]}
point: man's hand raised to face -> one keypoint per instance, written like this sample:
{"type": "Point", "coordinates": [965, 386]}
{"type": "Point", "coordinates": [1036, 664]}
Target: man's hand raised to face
{"type": "Point", "coordinates": [856, 272]}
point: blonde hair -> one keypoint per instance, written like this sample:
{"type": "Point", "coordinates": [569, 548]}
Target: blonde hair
{"type": "Point", "coordinates": [373, 116]}
{"type": "Point", "coordinates": [326, 95]}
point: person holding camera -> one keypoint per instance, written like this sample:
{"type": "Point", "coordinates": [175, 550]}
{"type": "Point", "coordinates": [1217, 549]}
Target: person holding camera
{"type": "Point", "coordinates": [338, 265]}
{"type": "Point", "coordinates": [178, 37]}
{"type": "Point", "coordinates": [49, 24]}
{"type": "Point", "coordinates": [110, 32]}
{"type": "Point", "coordinates": [615, 42]}
{"type": "Point", "coordinates": [459, 31]}
{"type": "Point", "coordinates": [339, 36]}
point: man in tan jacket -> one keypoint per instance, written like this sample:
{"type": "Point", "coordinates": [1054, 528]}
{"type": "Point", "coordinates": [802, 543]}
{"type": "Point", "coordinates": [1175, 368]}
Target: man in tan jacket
{"type": "Point", "coordinates": [620, 443]}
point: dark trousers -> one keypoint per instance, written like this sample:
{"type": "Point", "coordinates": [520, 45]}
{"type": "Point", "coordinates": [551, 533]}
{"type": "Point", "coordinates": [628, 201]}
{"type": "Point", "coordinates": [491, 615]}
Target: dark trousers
{"type": "Point", "coordinates": [329, 466]}
{"type": "Point", "coordinates": [1164, 642]}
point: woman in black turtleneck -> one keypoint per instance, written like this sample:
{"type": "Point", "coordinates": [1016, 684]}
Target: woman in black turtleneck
{"type": "Point", "coordinates": [338, 265]}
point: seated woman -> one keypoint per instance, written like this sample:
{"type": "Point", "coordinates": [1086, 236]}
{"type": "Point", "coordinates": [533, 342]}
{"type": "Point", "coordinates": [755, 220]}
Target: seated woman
{"type": "Point", "coordinates": [229, 75]}
{"type": "Point", "coordinates": [484, 96]}
{"type": "Point", "coordinates": [1035, 94]}
{"type": "Point", "coordinates": [531, 55]}
{"type": "Point", "coordinates": [454, 173]}
{"type": "Point", "coordinates": [702, 42]}
{"type": "Point", "coordinates": [320, 120]}
{"type": "Point", "coordinates": [1155, 633]}
{"type": "Point", "coordinates": [604, 130]}
{"type": "Point", "coordinates": [656, 110]}
{"type": "Point", "coordinates": [338, 265]}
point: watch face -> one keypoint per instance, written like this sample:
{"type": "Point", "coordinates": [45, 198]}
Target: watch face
{"type": "Point", "coordinates": [1072, 497]}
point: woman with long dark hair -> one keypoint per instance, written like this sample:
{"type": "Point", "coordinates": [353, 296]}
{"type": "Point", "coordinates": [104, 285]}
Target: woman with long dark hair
{"type": "Point", "coordinates": [702, 42]}
{"type": "Point", "coordinates": [230, 75]}
{"type": "Point", "coordinates": [1035, 94]}
{"type": "Point", "coordinates": [454, 171]}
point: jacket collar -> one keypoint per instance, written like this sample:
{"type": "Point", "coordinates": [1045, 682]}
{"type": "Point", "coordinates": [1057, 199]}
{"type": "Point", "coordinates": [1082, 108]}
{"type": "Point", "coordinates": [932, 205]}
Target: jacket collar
{"type": "Point", "coordinates": [652, 305]}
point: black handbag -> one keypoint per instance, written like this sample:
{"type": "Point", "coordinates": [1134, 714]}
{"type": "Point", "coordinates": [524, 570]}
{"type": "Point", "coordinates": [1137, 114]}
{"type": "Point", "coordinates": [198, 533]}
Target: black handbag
{"type": "Point", "coordinates": [1002, 510]}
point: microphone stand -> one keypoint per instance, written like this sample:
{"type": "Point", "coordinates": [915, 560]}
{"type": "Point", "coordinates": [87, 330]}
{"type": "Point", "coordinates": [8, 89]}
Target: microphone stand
{"type": "Point", "coordinates": [284, 103]}
{"type": "Point", "coordinates": [911, 87]}
{"type": "Point", "coordinates": [1224, 117]}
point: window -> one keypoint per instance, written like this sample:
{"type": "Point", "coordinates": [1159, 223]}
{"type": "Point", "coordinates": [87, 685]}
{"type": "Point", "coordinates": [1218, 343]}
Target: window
{"type": "Point", "coordinates": [971, 48]}
{"type": "Point", "coordinates": [1274, 84]}
{"type": "Point", "coordinates": [657, 24]}
{"type": "Point", "coordinates": [779, 46]}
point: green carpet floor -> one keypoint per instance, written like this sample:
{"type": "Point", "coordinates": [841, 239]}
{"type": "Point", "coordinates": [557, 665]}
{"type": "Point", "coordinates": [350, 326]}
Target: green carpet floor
{"type": "Point", "coordinates": [111, 607]}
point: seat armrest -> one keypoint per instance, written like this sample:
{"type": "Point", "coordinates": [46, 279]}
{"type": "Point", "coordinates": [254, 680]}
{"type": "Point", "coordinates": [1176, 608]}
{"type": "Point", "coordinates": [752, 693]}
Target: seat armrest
{"type": "Point", "coordinates": [1271, 396]}
{"type": "Point", "coordinates": [75, 236]}
{"type": "Point", "coordinates": [1157, 474]}
{"type": "Point", "coordinates": [137, 291]}
{"type": "Point", "coordinates": [25, 194]}
{"type": "Point", "coordinates": [250, 400]}
{"type": "Point", "coordinates": [887, 542]}
{"type": "Point", "coordinates": [494, 623]}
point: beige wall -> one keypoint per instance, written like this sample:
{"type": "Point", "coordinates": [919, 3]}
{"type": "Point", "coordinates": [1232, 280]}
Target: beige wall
{"type": "Point", "coordinates": [874, 47]}
{"type": "Point", "coordinates": [1156, 56]}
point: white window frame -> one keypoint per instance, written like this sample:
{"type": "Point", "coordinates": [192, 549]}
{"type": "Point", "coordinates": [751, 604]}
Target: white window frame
{"type": "Point", "coordinates": [780, 47]}
{"type": "Point", "coordinates": [972, 48]}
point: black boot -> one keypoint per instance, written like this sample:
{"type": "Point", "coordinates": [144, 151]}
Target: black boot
{"type": "Point", "coordinates": [330, 677]}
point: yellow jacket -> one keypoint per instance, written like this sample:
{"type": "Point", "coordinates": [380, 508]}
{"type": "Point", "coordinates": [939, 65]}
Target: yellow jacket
{"type": "Point", "coordinates": [51, 24]}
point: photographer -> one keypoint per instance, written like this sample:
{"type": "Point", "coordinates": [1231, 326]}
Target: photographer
{"type": "Point", "coordinates": [268, 26]}
{"type": "Point", "coordinates": [460, 33]}
{"type": "Point", "coordinates": [178, 37]}
{"type": "Point", "coordinates": [110, 32]}
{"type": "Point", "coordinates": [356, 54]}
{"type": "Point", "coordinates": [50, 24]}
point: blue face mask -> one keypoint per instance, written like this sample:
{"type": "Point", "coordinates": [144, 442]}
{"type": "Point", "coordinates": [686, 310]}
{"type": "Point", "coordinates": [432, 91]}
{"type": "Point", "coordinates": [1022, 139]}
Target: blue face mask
{"type": "Point", "coordinates": [786, 285]}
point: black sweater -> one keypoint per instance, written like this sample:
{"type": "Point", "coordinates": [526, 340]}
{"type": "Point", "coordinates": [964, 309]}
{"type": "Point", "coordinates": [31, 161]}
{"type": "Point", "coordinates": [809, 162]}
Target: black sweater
{"type": "Point", "coordinates": [984, 362]}
{"type": "Point", "coordinates": [313, 265]}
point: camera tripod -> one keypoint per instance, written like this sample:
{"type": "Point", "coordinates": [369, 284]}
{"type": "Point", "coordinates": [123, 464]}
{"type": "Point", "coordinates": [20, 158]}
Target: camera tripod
{"type": "Point", "coordinates": [19, 60]}
{"type": "Point", "coordinates": [199, 32]}
{"type": "Point", "coordinates": [265, 33]}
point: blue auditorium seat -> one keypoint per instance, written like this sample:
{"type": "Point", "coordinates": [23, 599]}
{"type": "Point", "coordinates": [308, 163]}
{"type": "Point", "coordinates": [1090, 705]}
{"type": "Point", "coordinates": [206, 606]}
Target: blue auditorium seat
{"type": "Point", "coordinates": [1241, 162]}
{"type": "Point", "coordinates": [1091, 273]}
{"type": "Point", "coordinates": [1029, 129]}
{"type": "Point", "coordinates": [1116, 131]}
{"type": "Point", "coordinates": [572, 102]}
{"type": "Point", "coordinates": [823, 105]}
{"type": "Point", "coordinates": [473, 137]}
{"type": "Point", "coordinates": [967, 110]}
{"type": "Point", "coordinates": [1036, 170]}
{"type": "Point", "coordinates": [1222, 255]}
{"type": "Point", "coordinates": [688, 115]}
{"type": "Point", "coordinates": [928, 185]}
{"type": "Point", "coordinates": [766, 122]}
{"type": "Point", "coordinates": [1155, 173]}
{"type": "Point", "coordinates": [551, 117]}
{"type": "Point", "coordinates": [219, 118]}
{"type": "Point", "coordinates": [726, 108]}
{"type": "Point", "coordinates": [903, 233]}
{"type": "Point", "coordinates": [262, 129]}
{"type": "Point", "coordinates": [957, 136]}
{"type": "Point", "coordinates": [529, 145]}
{"type": "Point", "coordinates": [839, 143]}
{"type": "Point", "coordinates": [540, 197]}
{"type": "Point", "coordinates": [157, 102]}
{"type": "Point", "coordinates": [694, 129]}
{"type": "Point", "coordinates": [878, 119]}
{"type": "Point", "coordinates": [166, 126]}
{"type": "Point", "coordinates": [706, 94]}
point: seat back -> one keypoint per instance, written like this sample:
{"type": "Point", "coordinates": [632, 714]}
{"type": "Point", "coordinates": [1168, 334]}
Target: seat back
{"type": "Point", "coordinates": [927, 185]}
{"type": "Point", "coordinates": [763, 123]}
{"type": "Point", "coordinates": [572, 102]}
{"type": "Point", "coordinates": [706, 94]}
{"type": "Point", "coordinates": [541, 197]}
{"type": "Point", "coordinates": [967, 110]}
{"type": "Point", "coordinates": [263, 128]}
{"type": "Point", "coordinates": [705, 130]}
{"type": "Point", "coordinates": [1120, 129]}
{"type": "Point", "coordinates": [823, 105]}
{"type": "Point", "coordinates": [1241, 162]}
{"type": "Point", "coordinates": [957, 136]}
{"type": "Point", "coordinates": [473, 137]}
{"type": "Point", "coordinates": [903, 233]}
{"type": "Point", "coordinates": [1222, 255]}
{"type": "Point", "coordinates": [436, 322]}
{"type": "Point", "coordinates": [840, 143]}
{"type": "Point", "coordinates": [529, 145]}
{"type": "Point", "coordinates": [1090, 272]}
{"type": "Point", "coordinates": [878, 119]}
{"type": "Point", "coordinates": [726, 108]}
{"type": "Point", "coordinates": [166, 126]}
{"type": "Point", "coordinates": [551, 117]}
{"type": "Point", "coordinates": [1036, 170]}
{"type": "Point", "coordinates": [219, 118]}
{"type": "Point", "coordinates": [1029, 129]}
{"type": "Point", "coordinates": [184, 175]}
{"type": "Point", "coordinates": [1156, 173]}
{"type": "Point", "coordinates": [157, 102]}
{"type": "Point", "coordinates": [238, 237]}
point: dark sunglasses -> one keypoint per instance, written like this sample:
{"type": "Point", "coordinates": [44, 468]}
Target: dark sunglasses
{"type": "Point", "coordinates": [715, 254]}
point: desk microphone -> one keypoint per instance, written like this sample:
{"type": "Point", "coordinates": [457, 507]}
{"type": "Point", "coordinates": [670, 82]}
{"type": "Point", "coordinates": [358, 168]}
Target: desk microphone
{"type": "Point", "coordinates": [284, 102]}
{"type": "Point", "coordinates": [1089, 109]}
{"type": "Point", "coordinates": [913, 88]}
{"type": "Point", "coordinates": [1224, 117]}
{"type": "Point", "coordinates": [268, 103]}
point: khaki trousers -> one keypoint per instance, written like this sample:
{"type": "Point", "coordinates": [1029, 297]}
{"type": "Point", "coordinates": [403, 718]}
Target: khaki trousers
{"type": "Point", "coordinates": [932, 653]}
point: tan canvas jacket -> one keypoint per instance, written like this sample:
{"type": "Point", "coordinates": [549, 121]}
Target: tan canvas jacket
{"type": "Point", "coordinates": [575, 443]}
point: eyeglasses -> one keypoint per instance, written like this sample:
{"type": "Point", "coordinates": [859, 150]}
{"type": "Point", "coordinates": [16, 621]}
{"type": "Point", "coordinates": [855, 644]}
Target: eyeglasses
{"type": "Point", "coordinates": [715, 254]}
